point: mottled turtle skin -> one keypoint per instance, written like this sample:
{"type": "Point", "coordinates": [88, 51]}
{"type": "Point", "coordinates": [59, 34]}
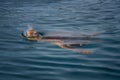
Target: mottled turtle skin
{"type": "Point", "coordinates": [60, 41]}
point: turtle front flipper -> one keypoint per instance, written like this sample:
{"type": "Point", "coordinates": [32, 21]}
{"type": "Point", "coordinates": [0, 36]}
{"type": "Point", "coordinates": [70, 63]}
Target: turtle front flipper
{"type": "Point", "coordinates": [69, 47]}
{"type": "Point", "coordinates": [83, 51]}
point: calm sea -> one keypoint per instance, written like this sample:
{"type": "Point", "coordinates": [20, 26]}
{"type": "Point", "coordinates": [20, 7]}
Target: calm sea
{"type": "Point", "coordinates": [26, 60]}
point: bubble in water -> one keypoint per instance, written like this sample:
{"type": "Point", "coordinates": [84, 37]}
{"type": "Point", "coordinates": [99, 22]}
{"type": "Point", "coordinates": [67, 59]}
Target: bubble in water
{"type": "Point", "coordinates": [29, 27]}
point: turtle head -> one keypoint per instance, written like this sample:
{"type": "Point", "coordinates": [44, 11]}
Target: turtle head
{"type": "Point", "coordinates": [33, 34]}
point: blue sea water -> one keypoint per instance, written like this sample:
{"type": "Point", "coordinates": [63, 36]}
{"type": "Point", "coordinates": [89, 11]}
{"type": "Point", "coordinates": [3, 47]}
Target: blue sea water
{"type": "Point", "coordinates": [26, 60]}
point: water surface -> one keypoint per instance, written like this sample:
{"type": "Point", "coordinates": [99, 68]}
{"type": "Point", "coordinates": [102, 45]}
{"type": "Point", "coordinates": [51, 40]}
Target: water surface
{"type": "Point", "coordinates": [26, 60]}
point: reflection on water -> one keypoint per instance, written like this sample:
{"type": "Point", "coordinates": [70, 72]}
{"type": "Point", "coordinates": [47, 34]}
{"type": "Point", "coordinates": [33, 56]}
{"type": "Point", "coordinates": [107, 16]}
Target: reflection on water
{"type": "Point", "coordinates": [26, 60]}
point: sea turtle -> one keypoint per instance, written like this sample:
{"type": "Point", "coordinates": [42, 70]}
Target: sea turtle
{"type": "Point", "coordinates": [62, 41]}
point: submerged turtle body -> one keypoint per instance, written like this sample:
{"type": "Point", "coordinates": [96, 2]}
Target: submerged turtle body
{"type": "Point", "coordinates": [66, 42]}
